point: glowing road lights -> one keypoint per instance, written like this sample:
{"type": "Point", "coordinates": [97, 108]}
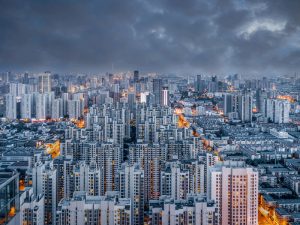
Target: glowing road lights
{"type": "Point", "coordinates": [286, 97]}
{"type": "Point", "coordinates": [53, 149]}
{"type": "Point", "coordinates": [183, 122]}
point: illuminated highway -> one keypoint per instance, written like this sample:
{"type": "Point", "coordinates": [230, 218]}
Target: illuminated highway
{"type": "Point", "coordinates": [263, 220]}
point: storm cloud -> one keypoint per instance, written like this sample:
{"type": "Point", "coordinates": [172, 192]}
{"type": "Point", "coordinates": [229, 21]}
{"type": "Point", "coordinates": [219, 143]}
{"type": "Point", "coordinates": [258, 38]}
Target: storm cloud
{"type": "Point", "coordinates": [176, 36]}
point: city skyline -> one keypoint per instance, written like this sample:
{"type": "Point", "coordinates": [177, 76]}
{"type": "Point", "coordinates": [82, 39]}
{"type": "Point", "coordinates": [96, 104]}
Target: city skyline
{"type": "Point", "coordinates": [134, 148]}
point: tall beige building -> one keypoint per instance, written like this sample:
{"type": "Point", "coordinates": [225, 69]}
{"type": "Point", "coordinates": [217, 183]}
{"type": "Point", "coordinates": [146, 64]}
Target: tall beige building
{"type": "Point", "coordinates": [234, 188]}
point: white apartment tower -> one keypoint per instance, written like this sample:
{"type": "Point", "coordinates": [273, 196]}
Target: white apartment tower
{"type": "Point", "coordinates": [234, 188]}
{"type": "Point", "coordinates": [31, 208]}
{"type": "Point", "coordinates": [44, 178]}
{"type": "Point", "coordinates": [11, 106]}
{"type": "Point", "coordinates": [245, 107]}
{"type": "Point", "coordinates": [45, 82]}
{"type": "Point", "coordinates": [175, 182]}
{"type": "Point", "coordinates": [165, 96]}
{"type": "Point", "coordinates": [194, 210]}
{"type": "Point", "coordinates": [74, 109]}
{"type": "Point", "coordinates": [44, 105]}
{"type": "Point", "coordinates": [57, 108]}
{"type": "Point", "coordinates": [278, 110]}
{"type": "Point", "coordinates": [91, 210]}
{"type": "Point", "coordinates": [88, 179]}
{"type": "Point", "coordinates": [109, 157]}
{"type": "Point", "coordinates": [134, 189]}
{"type": "Point", "coordinates": [26, 106]}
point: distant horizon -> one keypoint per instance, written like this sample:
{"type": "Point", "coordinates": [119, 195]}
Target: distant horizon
{"type": "Point", "coordinates": [142, 73]}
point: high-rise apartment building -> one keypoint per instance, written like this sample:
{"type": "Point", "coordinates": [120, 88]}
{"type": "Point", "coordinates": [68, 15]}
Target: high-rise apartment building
{"type": "Point", "coordinates": [91, 210]}
{"type": "Point", "coordinates": [136, 76]}
{"type": "Point", "coordinates": [44, 178]}
{"type": "Point", "coordinates": [26, 106]}
{"type": "Point", "coordinates": [44, 82]}
{"type": "Point", "coordinates": [165, 96]}
{"type": "Point", "coordinates": [175, 182]}
{"type": "Point", "coordinates": [57, 108]}
{"type": "Point", "coordinates": [234, 188]}
{"type": "Point", "coordinates": [245, 102]}
{"type": "Point", "coordinates": [193, 210]}
{"type": "Point", "coordinates": [116, 93]}
{"type": "Point", "coordinates": [87, 178]}
{"type": "Point", "coordinates": [134, 189]}
{"type": "Point", "coordinates": [109, 157]}
{"type": "Point", "coordinates": [149, 158]}
{"type": "Point", "coordinates": [74, 109]}
{"type": "Point", "coordinates": [240, 104]}
{"type": "Point", "coordinates": [261, 98]}
{"type": "Point", "coordinates": [31, 208]}
{"type": "Point", "coordinates": [229, 104]}
{"type": "Point", "coordinates": [196, 169]}
{"type": "Point", "coordinates": [157, 90]}
{"type": "Point", "coordinates": [277, 110]}
{"type": "Point", "coordinates": [44, 105]}
{"type": "Point", "coordinates": [200, 84]}
{"type": "Point", "coordinates": [11, 106]}
{"type": "Point", "coordinates": [19, 89]}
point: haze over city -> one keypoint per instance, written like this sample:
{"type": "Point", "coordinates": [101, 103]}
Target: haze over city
{"type": "Point", "coordinates": [169, 36]}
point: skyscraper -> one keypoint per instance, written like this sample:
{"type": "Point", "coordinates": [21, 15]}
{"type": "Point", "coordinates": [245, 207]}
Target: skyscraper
{"type": "Point", "coordinates": [131, 100]}
{"type": "Point", "coordinates": [74, 109]}
{"type": "Point", "coordinates": [45, 82]}
{"type": "Point", "coordinates": [31, 208]}
{"type": "Point", "coordinates": [11, 106]}
{"type": "Point", "coordinates": [116, 93]}
{"type": "Point", "coordinates": [148, 156]}
{"type": "Point", "coordinates": [26, 106]}
{"type": "Point", "coordinates": [18, 89]}
{"type": "Point", "coordinates": [234, 188]}
{"type": "Point", "coordinates": [109, 157]}
{"type": "Point", "coordinates": [44, 179]}
{"type": "Point", "coordinates": [200, 84]}
{"type": "Point", "coordinates": [87, 178]}
{"type": "Point", "coordinates": [136, 76]}
{"type": "Point", "coordinates": [44, 105]}
{"type": "Point", "coordinates": [57, 108]}
{"type": "Point", "coordinates": [26, 78]}
{"type": "Point", "coordinates": [134, 189]}
{"type": "Point", "coordinates": [229, 104]}
{"type": "Point", "coordinates": [165, 96]}
{"type": "Point", "coordinates": [157, 91]}
{"type": "Point", "coordinates": [245, 107]}
{"type": "Point", "coordinates": [175, 182]}
{"type": "Point", "coordinates": [194, 210]}
{"type": "Point", "coordinates": [91, 210]}
{"type": "Point", "coordinates": [277, 110]}
{"type": "Point", "coordinates": [261, 97]}
{"type": "Point", "coordinates": [110, 78]}
{"type": "Point", "coordinates": [213, 84]}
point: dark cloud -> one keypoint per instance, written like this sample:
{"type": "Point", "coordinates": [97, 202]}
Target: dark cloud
{"type": "Point", "coordinates": [214, 37]}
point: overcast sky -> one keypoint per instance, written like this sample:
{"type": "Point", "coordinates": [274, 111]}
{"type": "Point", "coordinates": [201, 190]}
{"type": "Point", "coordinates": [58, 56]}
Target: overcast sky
{"type": "Point", "coordinates": [164, 36]}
